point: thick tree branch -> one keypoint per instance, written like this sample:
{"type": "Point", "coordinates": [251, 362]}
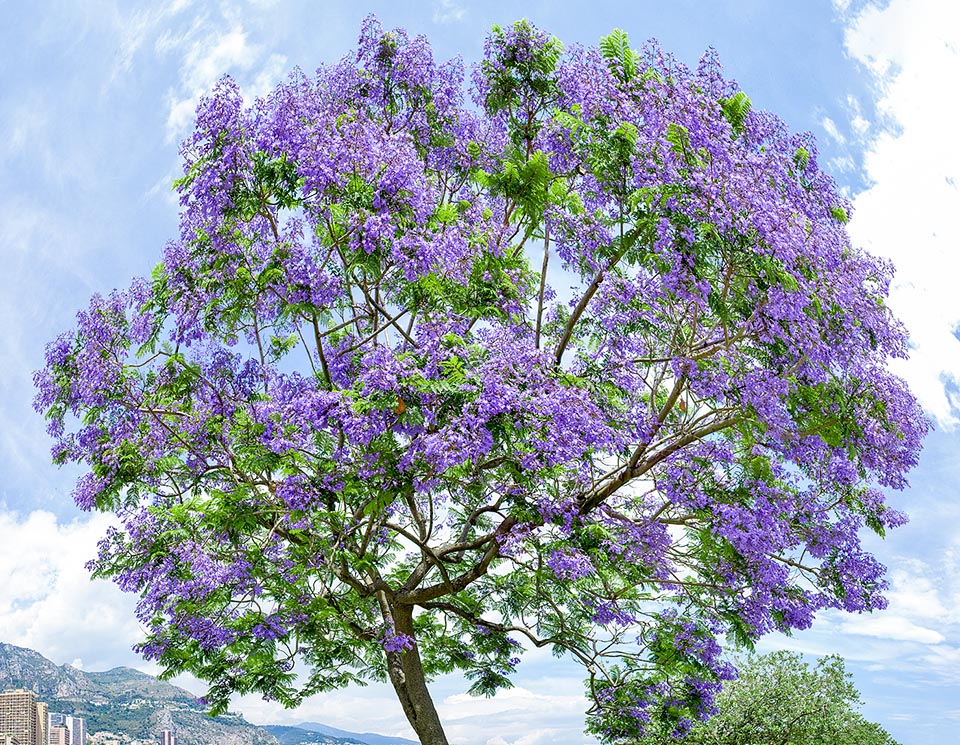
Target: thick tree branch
{"type": "Point", "coordinates": [626, 474]}
{"type": "Point", "coordinates": [432, 592]}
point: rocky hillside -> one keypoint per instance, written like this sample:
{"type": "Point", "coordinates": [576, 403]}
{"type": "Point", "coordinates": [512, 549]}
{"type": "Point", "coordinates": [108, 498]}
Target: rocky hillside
{"type": "Point", "coordinates": [24, 668]}
{"type": "Point", "coordinates": [124, 701]}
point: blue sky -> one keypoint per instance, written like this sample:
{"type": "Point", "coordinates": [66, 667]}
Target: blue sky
{"type": "Point", "coordinates": [95, 96]}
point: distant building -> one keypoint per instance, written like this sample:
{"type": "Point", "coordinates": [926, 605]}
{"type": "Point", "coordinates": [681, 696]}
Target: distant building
{"type": "Point", "coordinates": [76, 728]}
{"type": "Point", "coordinates": [23, 718]}
{"type": "Point", "coordinates": [167, 737]}
{"type": "Point", "coordinates": [59, 736]}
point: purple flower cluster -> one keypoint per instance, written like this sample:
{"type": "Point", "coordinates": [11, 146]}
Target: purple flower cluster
{"type": "Point", "coordinates": [394, 642]}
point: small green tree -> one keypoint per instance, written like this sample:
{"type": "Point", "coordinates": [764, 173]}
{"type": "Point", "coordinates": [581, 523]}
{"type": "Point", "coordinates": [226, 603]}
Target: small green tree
{"type": "Point", "coordinates": [779, 699]}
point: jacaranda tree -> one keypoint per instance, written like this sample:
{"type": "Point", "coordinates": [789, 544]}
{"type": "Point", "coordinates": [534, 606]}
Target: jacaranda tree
{"type": "Point", "coordinates": [588, 363]}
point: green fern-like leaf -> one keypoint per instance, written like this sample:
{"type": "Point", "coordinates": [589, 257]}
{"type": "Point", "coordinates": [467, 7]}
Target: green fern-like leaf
{"type": "Point", "coordinates": [615, 48]}
{"type": "Point", "coordinates": [735, 109]}
{"type": "Point", "coordinates": [679, 138]}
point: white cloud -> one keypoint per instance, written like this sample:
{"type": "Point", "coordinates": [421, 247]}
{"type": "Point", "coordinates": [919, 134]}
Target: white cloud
{"type": "Point", "coordinates": [858, 122]}
{"type": "Point", "coordinates": [548, 715]}
{"type": "Point", "coordinates": [841, 6]}
{"type": "Point", "coordinates": [519, 716]}
{"type": "Point", "coordinates": [209, 57]}
{"type": "Point", "coordinates": [207, 60]}
{"type": "Point", "coordinates": [372, 708]}
{"type": "Point", "coordinates": [266, 79]}
{"type": "Point", "coordinates": [908, 214]}
{"type": "Point", "coordinates": [535, 737]}
{"type": "Point", "coordinates": [50, 604]}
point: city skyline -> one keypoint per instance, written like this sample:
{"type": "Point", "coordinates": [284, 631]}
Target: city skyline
{"type": "Point", "coordinates": [25, 720]}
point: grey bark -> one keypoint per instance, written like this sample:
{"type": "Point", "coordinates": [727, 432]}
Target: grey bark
{"type": "Point", "coordinates": [405, 669]}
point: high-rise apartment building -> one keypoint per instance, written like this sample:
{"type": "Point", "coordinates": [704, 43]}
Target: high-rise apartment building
{"type": "Point", "coordinates": [19, 717]}
{"type": "Point", "coordinates": [42, 728]}
{"type": "Point", "coordinates": [59, 736]}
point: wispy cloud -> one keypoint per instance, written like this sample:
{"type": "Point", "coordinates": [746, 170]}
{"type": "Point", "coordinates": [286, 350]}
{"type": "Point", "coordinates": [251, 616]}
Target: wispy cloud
{"type": "Point", "coordinates": [205, 60]}
{"type": "Point", "coordinates": [137, 28]}
{"type": "Point", "coordinates": [207, 43]}
{"type": "Point", "coordinates": [831, 129]}
{"type": "Point", "coordinates": [891, 627]}
{"type": "Point", "coordinates": [858, 123]}
{"type": "Point", "coordinates": [448, 11]}
{"type": "Point", "coordinates": [207, 55]}
{"type": "Point", "coordinates": [44, 250]}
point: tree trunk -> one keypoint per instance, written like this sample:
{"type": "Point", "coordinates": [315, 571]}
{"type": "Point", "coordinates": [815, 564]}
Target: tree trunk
{"type": "Point", "coordinates": [406, 673]}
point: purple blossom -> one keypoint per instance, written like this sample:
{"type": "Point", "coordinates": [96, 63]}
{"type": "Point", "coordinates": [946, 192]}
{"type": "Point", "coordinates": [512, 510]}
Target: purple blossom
{"type": "Point", "coordinates": [394, 642]}
{"type": "Point", "coordinates": [569, 564]}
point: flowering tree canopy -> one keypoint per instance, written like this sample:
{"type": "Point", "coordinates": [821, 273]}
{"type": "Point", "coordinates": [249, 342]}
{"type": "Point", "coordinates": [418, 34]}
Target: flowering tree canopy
{"type": "Point", "coordinates": [589, 363]}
